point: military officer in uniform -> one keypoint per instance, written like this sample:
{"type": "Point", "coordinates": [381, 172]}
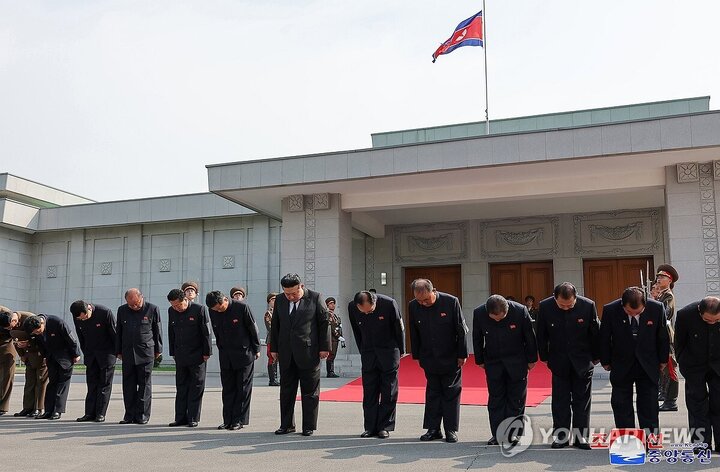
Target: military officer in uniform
{"type": "Point", "coordinates": [380, 336]}
{"type": "Point", "coordinates": [139, 342]}
{"type": "Point", "coordinates": [568, 337]}
{"type": "Point", "coordinates": [189, 338]}
{"type": "Point", "coordinates": [505, 347]}
{"type": "Point", "coordinates": [190, 289]}
{"type": "Point", "coordinates": [272, 364]}
{"type": "Point", "coordinates": [437, 338]}
{"type": "Point", "coordinates": [238, 293]}
{"type": "Point", "coordinates": [96, 329]}
{"type": "Point", "coordinates": [665, 279]}
{"type": "Point", "coordinates": [238, 342]}
{"type": "Point", "coordinates": [634, 347]}
{"type": "Point", "coordinates": [8, 322]}
{"type": "Point", "coordinates": [697, 345]}
{"type": "Point", "coordinates": [61, 351]}
{"type": "Point", "coordinates": [335, 334]}
{"type": "Point", "coordinates": [36, 372]}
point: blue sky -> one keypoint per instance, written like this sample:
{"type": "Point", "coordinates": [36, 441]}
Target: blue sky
{"type": "Point", "coordinates": [126, 99]}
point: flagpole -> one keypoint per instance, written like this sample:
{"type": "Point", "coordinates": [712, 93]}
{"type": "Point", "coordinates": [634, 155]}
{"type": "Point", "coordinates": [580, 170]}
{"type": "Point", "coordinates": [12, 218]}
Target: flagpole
{"type": "Point", "coordinates": [484, 32]}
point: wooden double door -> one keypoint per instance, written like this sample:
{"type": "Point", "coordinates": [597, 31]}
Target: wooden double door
{"type": "Point", "coordinates": [605, 279]}
{"type": "Point", "coordinates": [518, 280]}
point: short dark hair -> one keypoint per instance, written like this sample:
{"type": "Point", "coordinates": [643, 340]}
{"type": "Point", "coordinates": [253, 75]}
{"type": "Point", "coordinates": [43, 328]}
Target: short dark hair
{"type": "Point", "coordinates": [634, 297]}
{"type": "Point", "coordinates": [709, 305]}
{"type": "Point", "coordinates": [529, 297]}
{"type": "Point", "coordinates": [5, 319]}
{"type": "Point", "coordinates": [372, 290]}
{"type": "Point", "coordinates": [79, 307]}
{"type": "Point", "coordinates": [365, 296]}
{"type": "Point", "coordinates": [214, 298]}
{"type": "Point", "coordinates": [496, 304]}
{"type": "Point", "coordinates": [421, 285]}
{"type": "Point", "coordinates": [176, 295]}
{"type": "Point", "coordinates": [290, 280]}
{"type": "Point", "coordinates": [565, 290]}
{"type": "Point", "coordinates": [31, 324]}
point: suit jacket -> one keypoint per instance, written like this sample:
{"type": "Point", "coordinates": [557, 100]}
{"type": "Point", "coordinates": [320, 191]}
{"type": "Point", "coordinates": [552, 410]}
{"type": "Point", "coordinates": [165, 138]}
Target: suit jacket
{"type": "Point", "coordinates": [302, 336]}
{"type": "Point", "coordinates": [508, 344]}
{"type": "Point", "coordinates": [31, 356]}
{"type": "Point", "coordinates": [236, 335]}
{"type": "Point", "coordinates": [568, 339]}
{"type": "Point", "coordinates": [58, 342]}
{"type": "Point", "coordinates": [98, 337]}
{"type": "Point", "coordinates": [438, 334]}
{"type": "Point", "coordinates": [652, 347]}
{"type": "Point", "coordinates": [697, 344]}
{"type": "Point", "coordinates": [189, 334]}
{"type": "Point", "coordinates": [380, 335]}
{"type": "Point", "coordinates": [139, 334]}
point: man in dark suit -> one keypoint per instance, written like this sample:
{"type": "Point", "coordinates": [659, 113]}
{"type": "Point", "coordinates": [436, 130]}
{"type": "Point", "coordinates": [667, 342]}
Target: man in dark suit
{"type": "Point", "coordinates": [697, 346]}
{"type": "Point", "coordinates": [139, 342]}
{"type": "Point", "coordinates": [299, 339]}
{"type": "Point", "coordinates": [568, 337]}
{"type": "Point", "coordinates": [238, 342]}
{"type": "Point", "coordinates": [380, 336]}
{"type": "Point", "coordinates": [437, 339]}
{"type": "Point", "coordinates": [61, 352]}
{"type": "Point", "coordinates": [97, 332]}
{"type": "Point", "coordinates": [189, 338]}
{"type": "Point", "coordinates": [505, 347]}
{"type": "Point", "coordinates": [634, 347]}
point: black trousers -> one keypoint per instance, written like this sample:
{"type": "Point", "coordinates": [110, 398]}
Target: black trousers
{"type": "Point", "coordinates": [442, 400]}
{"type": "Point", "coordinates": [506, 398]}
{"type": "Point", "coordinates": [190, 387]}
{"type": "Point", "coordinates": [380, 394]}
{"type": "Point", "coordinates": [58, 387]}
{"type": "Point", "coordinates": [309, 379]}
{"type": "Point", "coordinates": [236, 394]}
{"type": "Point", "coordinates": [702, 397]}
{"type": "Point", "coordinates": [99, 382]}
{"type": "Point", "coordinates": [137, 390]}
{"type": "Point", "coordinates": [621, 400]}
{"type": "Point", "coordinates": [571, 404]}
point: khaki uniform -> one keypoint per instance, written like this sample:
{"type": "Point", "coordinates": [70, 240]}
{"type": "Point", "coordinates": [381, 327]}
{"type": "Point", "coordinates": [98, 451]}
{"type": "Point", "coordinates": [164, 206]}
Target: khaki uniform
{"type": "Point", "coordinates": [36, 372]}
{"type": "Point", "coordinates": [7, 365]}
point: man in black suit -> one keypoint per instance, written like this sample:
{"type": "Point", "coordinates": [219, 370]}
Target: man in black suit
{"type": "Point", "coordinates": [505, 347]}
{"type": "Point", "coordinates": [697, 346]}
{"type": "Point", "coordinates": [568, 337]}
{"type": "Point", "coordinates": [97, 332]}
{"type": "Point", "coordinates": [380, 336]}
{"type": "Point", "coordinates": [299, 339]}
{"type": "Point", "coordinates": [634, 347]}
{"type": "Point", "coordinates": [189, 338]}
{"type": "Point", "coordinates": [139, 342]}
{"type": "Point", "coordinates": [238, 342]}
{"type": "Point", "coordinates": [61, 352]}
{"type": "Point", "coordinates": [437, 339]}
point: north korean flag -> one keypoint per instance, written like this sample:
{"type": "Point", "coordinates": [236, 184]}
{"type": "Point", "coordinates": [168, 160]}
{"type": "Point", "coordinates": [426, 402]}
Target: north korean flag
{"type": "Point", "coordinates": [467, 33]}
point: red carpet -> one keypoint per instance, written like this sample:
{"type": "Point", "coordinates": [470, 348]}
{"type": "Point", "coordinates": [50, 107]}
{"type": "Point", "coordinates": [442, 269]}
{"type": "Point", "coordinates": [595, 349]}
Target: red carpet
{"type": "Point", "coordinates": [474, 392]}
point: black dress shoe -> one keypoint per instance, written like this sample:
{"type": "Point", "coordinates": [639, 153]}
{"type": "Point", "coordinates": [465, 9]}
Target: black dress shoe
{"type": "Point", "coordinates": [307, 432]}
{"type": "Point", "coordinates": [235, 426]}
{"type": "Point", "coordinates": [2, 412]}
{"type": "Point", "coordinates": [274, 384]}
{"type": "Point", "coordinates": [177, 423]}
{"type": "Point", "coordinates": [557, 444]}
{"type": "Point", "coordinates": [54, 416]}
{"type": "Point", "coordinates": [141, 422]}
{"type": "Point", "coordinates": [382, 434]}
{"type": "Point", "coordinates": [223, 426]}
{"type": "Point", "coordinates": [451, 436]}
{"type": "Point", "coordinates": [100, 419]}
{"type": "Point", "coordinates": [284, 430]}
{"type": "Point", "coordinates": [125, 421]}
{"type": "Point", "coordinates": [431, 435]}
{"type": "Point", "coordinates": [668, 406]}
{"type": "Point", "coordinates": [35, 413]}
{"type": "Point", "coordinates": [44, 416]}
{"type": "Point", "coordinates": [23, 412]}
{"type": "Point", "coordinates": [493, 441]}
{"type": "Point", "coordinates": [192, 424]}
{"type": "Point", "coordinates": [581, 444]}
{"type": "Point", "coordinates": [333, 375]}
{"type": "Point", "coordinates": [368, 434]}
{"type": "Point", "coordinates": [85, 418]}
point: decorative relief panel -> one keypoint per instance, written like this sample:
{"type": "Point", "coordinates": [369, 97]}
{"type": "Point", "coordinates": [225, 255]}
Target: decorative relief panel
{"type": "Point", "coordinates": [165, 265]}
{"type": "Point", "coordinates": [369, 262]}
{"type": "Point", "coordinates": [228, 262]}
{"type": "Point", "coordinates": [708, 174]}
{"type": "Point", "coordinates": [432, 242]}
{"type": "Point", "coordinates": [522, 237]}
{"type": "Point", "coordinates": [310, 224]}
{"type": "Point", "coordinates": [295, 203]}
{"type": "Point", "coordinates": [617, 233]}
{"type": "Point", "coordinates": [321, 201]}
{"type": "Point", "coordinates": [687, 172]}
{"type": "Point", "coordinates": [716, 169]}
{"type": "Point", "coordinates": [52, 272]}
{"type": "Point", "coordinates": [106, 268]}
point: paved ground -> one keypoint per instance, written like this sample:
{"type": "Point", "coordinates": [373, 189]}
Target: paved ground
{"type": "Point", "coordinates": [64, 445]}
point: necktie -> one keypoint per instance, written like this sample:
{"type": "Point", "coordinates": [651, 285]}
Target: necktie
{"type": "Point", "coordinates": [292, 310]}
{"type": "Point", "coordinates": [634, 326]}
